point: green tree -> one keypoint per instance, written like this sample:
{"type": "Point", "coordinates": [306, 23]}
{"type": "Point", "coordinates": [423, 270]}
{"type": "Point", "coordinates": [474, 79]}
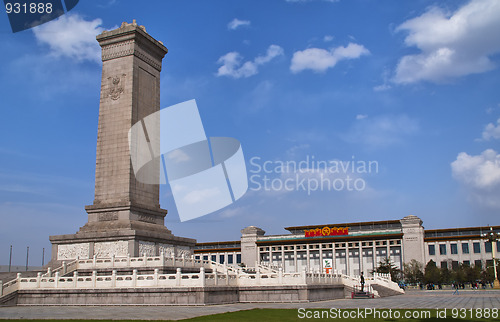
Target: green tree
{"type": "Point", "coordinates": [472, 273]}
{"type": "Point", "coordinates": [413, 272]}
{"type": "Point", "coordinates": [459, 274]}
{"type": "Point", "coordinates": [445, 275]}
{"type": "Point", "coordinates": [432, 273]}
{"type": "Point", "coordinates": [386, 266]}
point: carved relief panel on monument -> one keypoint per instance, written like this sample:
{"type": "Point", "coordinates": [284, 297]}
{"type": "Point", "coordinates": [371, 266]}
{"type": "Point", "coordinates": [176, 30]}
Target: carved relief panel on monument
{"type": "Point", "coordinates": [167, 250]}
{"type": "Point", "coordinates": [73, 251]}
{"type": "Point", "coordinates": [108, 249]}
{"type": "Point", "coordinates": [147, 248]}
{"type": "Point", "coordinates": [184, 250]}
{"type": "Point", "coordinates": [116, 86]}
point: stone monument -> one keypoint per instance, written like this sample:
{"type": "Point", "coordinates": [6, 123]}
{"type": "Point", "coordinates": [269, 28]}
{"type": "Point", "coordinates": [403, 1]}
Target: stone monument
{"type": "Point", "coordinates": [125, 218]}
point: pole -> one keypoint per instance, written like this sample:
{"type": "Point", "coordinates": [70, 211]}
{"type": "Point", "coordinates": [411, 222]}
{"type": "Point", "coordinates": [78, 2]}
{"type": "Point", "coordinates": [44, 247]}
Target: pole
{"type": "Point", "coordinates": [10, 258]}
{"type": "Point", "coordinates": [43, 256]}
{"type": "Point", "coordinates": [496, 284]}
{"type": "Point", "coordinates": [27, 256]}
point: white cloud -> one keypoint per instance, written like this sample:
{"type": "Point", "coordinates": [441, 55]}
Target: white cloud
{"type": "Point", "coordinates": [201, 196]}
{"type": "Point", "coordinates": [319, 60]}
{"type": "Point", "coordinates": [491, 131]}
{"type": "Point", "coordinates": [235, 23]}
{"type": "Point", "coordinates": [232, 65]}
{"type": "Point", "coordinates": [480, 176]}
{"type": "Point", "coordinates": [381, 131]}
{"type": "Point", "coordinates": [381, 88]}
{"type": "Point", "coordinates": [71, 36]}
{"type": "Point", "coordinates": [302, 1]}
{"type": "Point", "coordinates": [361, 116]}
{"type": "Point", "coordinates": [452, 44]}
{"type": "Point", "coordinates": [327, 38]}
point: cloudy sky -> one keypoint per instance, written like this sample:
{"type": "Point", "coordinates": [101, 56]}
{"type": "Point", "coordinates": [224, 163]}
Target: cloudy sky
{"type": "Point", "coordinates": [410, 86]}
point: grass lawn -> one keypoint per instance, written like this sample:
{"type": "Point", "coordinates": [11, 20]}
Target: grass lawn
{"type": "Point", "coordinates": [263, 315]}
{"type": "Point", "coordinates": [293, 315]}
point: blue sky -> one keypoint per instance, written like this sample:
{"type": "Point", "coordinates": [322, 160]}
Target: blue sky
{"type": "Point", "coordinates": [411, 85]}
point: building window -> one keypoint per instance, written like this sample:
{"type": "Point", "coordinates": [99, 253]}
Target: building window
{"type": "Point", "coordinates": [477, 248]}
{"type": "Point", "coordinates": [205, 258]}
{"type": "Point", "coordinates": [229, 259]}
{"type": "Point", "coordinates": [221, 259]}
{"type": "Point", "coordinates": [238, 258]}
{"type": "Point", "coordinates": [197, 257]}
{"type": "Point", "coordinates": [454, 248]}
{"type": "Point", "coordinates": [487, 247]}
{"type": "Point", "coordinates": [478, 263]}
{"type": "Point", "coordinates": [442, 249]}
{"type": "Point", "coordinates": [432, 250]}
{"type": "Point", "coordinates": [467, 263]}
{"type": "Point", "coordinates": [444, 264]}
{"type": "Point", "coordinates": [214, 258]}
{"type": "Point", "coordinates": [489, 263]}
{"type": "Point", "coordinates": [465, 248]}
{"type": "Point", "coordinates": [454, 264]}
{"type": "Point", "coordinates": [498, 246]}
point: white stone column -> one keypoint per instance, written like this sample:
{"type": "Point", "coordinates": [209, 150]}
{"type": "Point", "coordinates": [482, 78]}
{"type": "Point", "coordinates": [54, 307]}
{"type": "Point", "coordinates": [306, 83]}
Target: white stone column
{"type": "Point", "coordinates": [155, 277]}
{"type": "Point", "coordinates": [113, 278]}
{"type": "Point", "coordinates": [75, 279]}
{"type": "Point", "coordinates": [134, 278]}
{"type": "Point", "coordinates": [295, 258]}
{"type": "Point", "coordinates": [38, 279]}
{"type": "Point", "coordinates": [202, 276]}
{"type": "Point", "coordinates": [94, 278]}
{"type": "Point", "coordinates": [308, 262]}
{"type": "Point", "coordinates": [178, 277]}
{"type": "Point", "coordinates": [1, 288]}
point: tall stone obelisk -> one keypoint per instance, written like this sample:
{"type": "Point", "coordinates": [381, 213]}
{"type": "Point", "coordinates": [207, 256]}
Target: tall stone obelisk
{"type": "Point", "coordinates": [125, 217]}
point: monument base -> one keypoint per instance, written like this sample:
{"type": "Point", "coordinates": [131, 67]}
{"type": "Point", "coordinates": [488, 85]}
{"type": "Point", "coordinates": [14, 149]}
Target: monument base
{"type": "Point", "coordinates": [120, 230]}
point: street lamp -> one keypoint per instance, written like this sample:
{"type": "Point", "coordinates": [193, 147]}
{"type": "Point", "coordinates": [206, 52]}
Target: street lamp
{"type": "Point", "coordinates": [493, 237]}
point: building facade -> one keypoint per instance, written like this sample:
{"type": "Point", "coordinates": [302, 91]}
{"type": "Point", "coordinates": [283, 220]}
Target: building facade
{"type": "Point", "coordinates": [351, 248]}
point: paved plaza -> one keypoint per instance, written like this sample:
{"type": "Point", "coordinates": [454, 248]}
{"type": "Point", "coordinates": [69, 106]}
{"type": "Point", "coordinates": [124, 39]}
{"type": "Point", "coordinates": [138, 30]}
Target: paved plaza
{"type": "Point", "coordinates": [411, 300]}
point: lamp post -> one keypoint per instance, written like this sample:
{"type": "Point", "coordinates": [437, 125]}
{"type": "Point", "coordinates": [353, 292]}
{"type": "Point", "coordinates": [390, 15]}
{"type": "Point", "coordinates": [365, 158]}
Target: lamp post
{"type": "Point", "coordinates": [493, 237]}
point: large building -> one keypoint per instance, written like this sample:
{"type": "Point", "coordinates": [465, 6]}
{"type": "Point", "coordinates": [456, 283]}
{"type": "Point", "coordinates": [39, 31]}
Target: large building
{"type": "Point", "coordinates": [352, 248]}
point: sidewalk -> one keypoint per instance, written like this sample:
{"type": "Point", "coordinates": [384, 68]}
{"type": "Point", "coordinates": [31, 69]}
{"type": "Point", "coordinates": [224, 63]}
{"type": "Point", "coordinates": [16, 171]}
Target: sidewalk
{"type": "Point", "coordinates": [411, 300]}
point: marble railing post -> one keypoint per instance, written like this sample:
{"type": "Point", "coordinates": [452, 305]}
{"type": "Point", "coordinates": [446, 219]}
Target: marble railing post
{"type": "Point", "coordinates": [113, 260]}
{"type": "Point", "coordinates": [57, 280]}
{"type": "Point", "coordinates": [113, 278]}
{"type": "Point", "coordinates": [65, 267]}
{"type": "Point", "coordinates": [134, 278]}
{"type": "Point", "coordinates": [38, 279]}
{"type": "Point", "coordinates": [227, 277]}
{"type": "Point", "coordinates": [178, 277]}
{"type": "Point", "coordinates": [173, 258]}
{"type": "Point", "coordinates": [303, 275]}
{"type": "Point", "coordinates": [155, 277]}
{"type": "Point", "coordinates": [49, 272]}
{"type": "Point", "coordinates": [145, 259]}
{"type": "Point", "coordinates": [1, 288]}
{"type": "Point", "coordinates": [75, 279]}
{"type": "Point", "coordinates": [257, 276]}
{"type": "Point", "coordinates": [183, 260]}
{"type": "Point", "coordinates": [162, 258]}
{"type": "Point", "coordinates": [202, 276]}
{"type": "Point", "coordinates": [216, 278]}
{"type": "Point", "coordinates": [94, 278]}
{"type": "Point", "coordinates": [280, 275]}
